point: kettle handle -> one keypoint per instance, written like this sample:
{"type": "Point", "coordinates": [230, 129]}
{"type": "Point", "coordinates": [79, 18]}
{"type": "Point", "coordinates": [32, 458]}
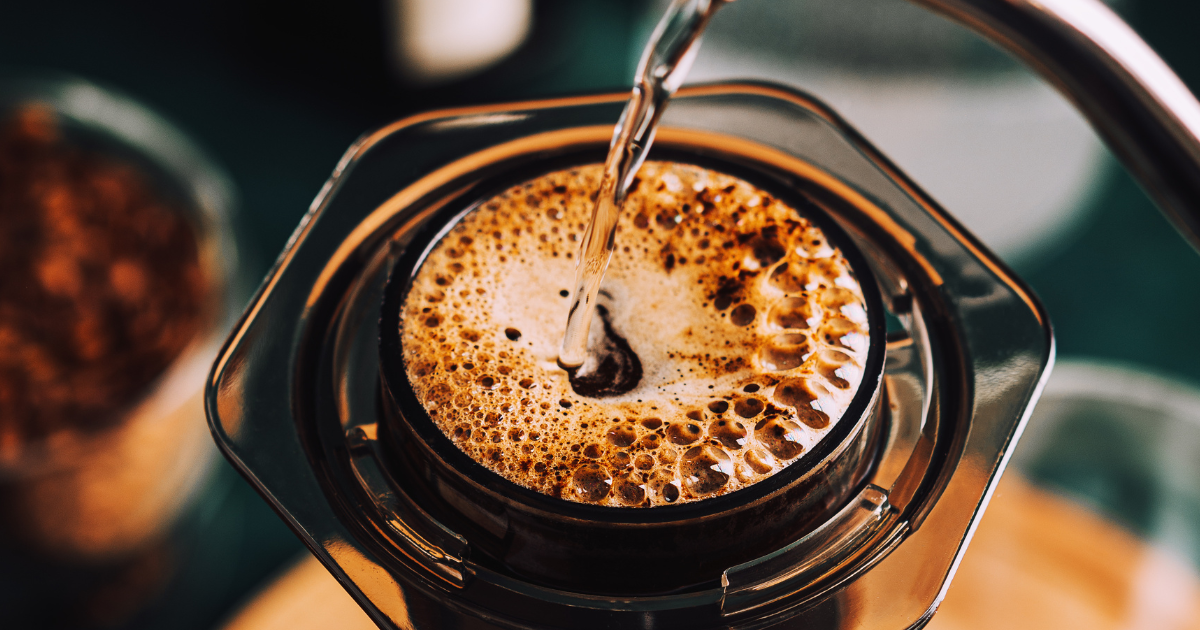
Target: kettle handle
{"type": "Point", "coordinates": [1135, 102]}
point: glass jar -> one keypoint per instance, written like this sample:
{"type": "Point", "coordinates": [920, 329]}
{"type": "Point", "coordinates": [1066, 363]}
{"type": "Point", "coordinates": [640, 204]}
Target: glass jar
{"type": "Point", "coordinates": [89, 504]}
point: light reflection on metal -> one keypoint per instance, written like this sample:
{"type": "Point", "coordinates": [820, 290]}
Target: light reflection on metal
{"type": "Point", "coordinates": [1136, 103]}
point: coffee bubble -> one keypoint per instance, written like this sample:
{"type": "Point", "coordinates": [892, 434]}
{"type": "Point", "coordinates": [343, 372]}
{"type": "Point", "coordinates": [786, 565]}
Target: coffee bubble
{"type": "Point", "coordinates": [782, 438]}
{"type": "Point", "coordinates": [742, 315]}
{"type": "Point", "coordinates": [730, 337]}
{"type": "Point", "coordinates": [760, 461]}
{"type": "Point", "coordinates": [730, 433]}
{"type": "Point", "coordinates": [630, 491]}
{"type": "Point", "coordinates": [791, 312]}
{"type": "Point", "coordinates": [664, 486]}
{"type": "Point", "coordinates": [705, 470]}
{"type": "Point", "coordinates": [785, 352]}
{"type": "Point", "coordinates": [683, 433]}
{"type": "Point", "coordinates": [591, 483]}
{"type": "Point", "coordinates": [749, 407]}
{"type": "Point", "coordinates": [622, 436]}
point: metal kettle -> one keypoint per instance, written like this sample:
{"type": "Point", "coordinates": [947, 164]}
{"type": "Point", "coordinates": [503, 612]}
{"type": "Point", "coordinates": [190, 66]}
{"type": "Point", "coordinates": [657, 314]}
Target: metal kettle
{"type": "Point", "coordinates": [1138, 106]}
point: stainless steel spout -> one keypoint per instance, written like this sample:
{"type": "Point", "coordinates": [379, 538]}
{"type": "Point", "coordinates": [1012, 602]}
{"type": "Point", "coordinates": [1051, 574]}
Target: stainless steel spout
{"type": "Point", "coordinates": [1136, 103]}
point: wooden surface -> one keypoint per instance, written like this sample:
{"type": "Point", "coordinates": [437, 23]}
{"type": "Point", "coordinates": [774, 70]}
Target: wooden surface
{"type": "Point", "coordinates": [1041, 561]}
{"type": "Point", "coordinates": [305, 596]}
{"type": "Point", "coordinates": [1038, 561]}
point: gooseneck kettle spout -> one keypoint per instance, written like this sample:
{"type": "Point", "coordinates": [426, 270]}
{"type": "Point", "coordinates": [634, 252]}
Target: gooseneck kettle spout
{"type": "Point", "coordinates": [1135, 102]}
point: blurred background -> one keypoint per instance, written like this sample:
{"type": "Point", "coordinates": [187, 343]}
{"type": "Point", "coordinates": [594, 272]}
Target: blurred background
{"type": "Point", "coordinates": [271, 93]}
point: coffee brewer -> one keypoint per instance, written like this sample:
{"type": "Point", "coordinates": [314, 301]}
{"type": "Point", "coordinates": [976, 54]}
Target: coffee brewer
{"type": "Point", "coordinates": [307, 402]}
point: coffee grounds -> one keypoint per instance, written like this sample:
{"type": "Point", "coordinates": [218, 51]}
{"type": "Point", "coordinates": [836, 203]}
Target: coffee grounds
{"type": "Point", "coordinates": [100, 282]}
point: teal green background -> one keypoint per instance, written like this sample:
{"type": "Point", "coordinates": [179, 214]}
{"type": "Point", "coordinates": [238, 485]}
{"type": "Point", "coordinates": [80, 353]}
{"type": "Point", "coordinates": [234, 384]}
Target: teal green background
{"type": "Point", "coordinates": [276, 91]}
{"type": "Point", "coordinates": [1125, 286]}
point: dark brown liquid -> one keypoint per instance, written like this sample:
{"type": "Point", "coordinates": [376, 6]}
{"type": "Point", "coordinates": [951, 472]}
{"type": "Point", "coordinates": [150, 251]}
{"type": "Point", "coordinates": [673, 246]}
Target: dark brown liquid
{"type": "Point", "coordinates": [618, 369]}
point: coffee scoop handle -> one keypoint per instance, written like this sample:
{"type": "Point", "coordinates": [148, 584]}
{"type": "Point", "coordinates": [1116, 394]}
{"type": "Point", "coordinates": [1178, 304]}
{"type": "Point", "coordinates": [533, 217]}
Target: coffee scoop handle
{"type": "Point", "coordinates": [1135, 102]}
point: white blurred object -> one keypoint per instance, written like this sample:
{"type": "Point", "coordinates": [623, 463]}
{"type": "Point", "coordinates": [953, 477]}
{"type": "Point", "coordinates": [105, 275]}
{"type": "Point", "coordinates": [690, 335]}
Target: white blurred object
{"type": "Point", "coordinates": [1008, 157]}
{"type": "Point", "coordinates": [1002, 151]}
{"type": "Point", "coordinates": [434, 41]}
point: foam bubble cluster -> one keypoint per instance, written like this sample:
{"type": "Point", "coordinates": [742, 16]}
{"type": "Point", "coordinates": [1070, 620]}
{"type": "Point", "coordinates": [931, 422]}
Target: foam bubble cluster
{"type": "Point", "coordinates": [750, 328]}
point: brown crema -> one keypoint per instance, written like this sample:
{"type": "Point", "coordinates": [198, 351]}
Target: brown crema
{"type": "Point", "coordinates": [747, 329]}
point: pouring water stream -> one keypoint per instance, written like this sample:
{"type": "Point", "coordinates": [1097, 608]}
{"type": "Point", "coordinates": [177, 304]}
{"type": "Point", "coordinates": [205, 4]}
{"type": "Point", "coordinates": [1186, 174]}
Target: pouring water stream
{"type": "Point", "coordinates": [665, 62]}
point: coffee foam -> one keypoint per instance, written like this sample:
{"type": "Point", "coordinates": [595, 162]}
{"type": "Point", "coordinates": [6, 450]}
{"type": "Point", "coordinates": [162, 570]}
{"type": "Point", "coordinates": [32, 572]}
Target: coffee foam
{"type": "Point", "coordinates": [750, 327]}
